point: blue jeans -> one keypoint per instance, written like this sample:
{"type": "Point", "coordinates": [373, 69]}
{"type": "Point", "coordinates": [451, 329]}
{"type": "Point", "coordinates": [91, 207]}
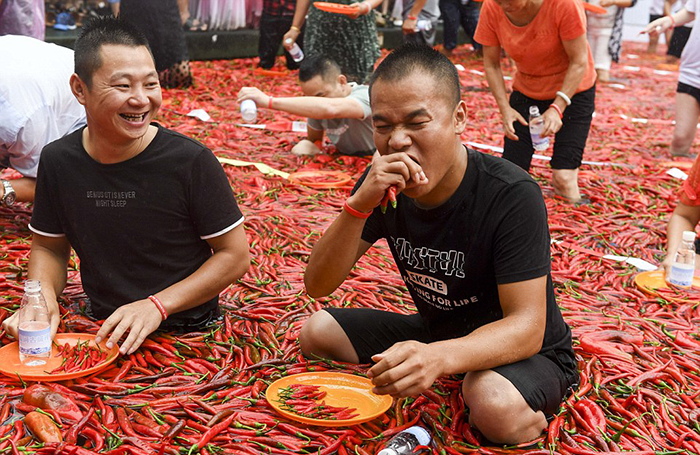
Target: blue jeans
{"type": "Point", "coordinates": [455, 13]}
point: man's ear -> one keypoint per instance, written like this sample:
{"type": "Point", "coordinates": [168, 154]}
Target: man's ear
{"type": "Point", "coordinates": [342, 79]}
{"type": "Point", "coordinates": [78, 87]}
{"type": "Point", "coordinates": [460, 117]}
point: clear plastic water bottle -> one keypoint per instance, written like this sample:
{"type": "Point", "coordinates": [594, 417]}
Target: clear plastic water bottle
{"type": "Point", "coordinates": [34, 326]}
{"type": "Point", "coordinates": [249, 111]}
{"type": "Point", "coordinates": [423, 25]}
{"type": "Point", "coordinates": [683, 267]}
{"type": "Point", "coordinates": [539, 142]}
{"type": "Point", "coordinates": [405, 442]}
{"type": "Point", "coordinates": [295, 51]}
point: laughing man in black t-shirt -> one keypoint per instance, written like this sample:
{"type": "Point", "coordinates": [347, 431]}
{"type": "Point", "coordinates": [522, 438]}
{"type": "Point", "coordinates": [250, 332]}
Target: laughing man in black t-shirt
{"type": "Point", "coordinates": [470, 238]}
{"type": "Point", "coordinates": [149, 212]}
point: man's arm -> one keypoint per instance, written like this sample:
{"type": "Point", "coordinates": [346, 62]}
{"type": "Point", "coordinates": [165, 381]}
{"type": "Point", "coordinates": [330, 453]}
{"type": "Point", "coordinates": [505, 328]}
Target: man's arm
{"type": "Point", "coordinates": [24, 189]}
{"type": "Point", "coordinates": [410, 367]}
{"type": "Point", "coordinates": [342, 245]}
{"type": "Point", "coordinates": [48, 263]}
{"type": "Point", "coordinates": [316, 107]}
{"type": "Point", "coordinates": [228, 263]}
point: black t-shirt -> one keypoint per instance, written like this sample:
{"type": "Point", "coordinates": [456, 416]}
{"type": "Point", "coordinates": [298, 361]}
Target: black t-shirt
{"type": "Point", "coordinates": [137, 226]}
{"type": "Point", "coordinates": [492, 230]}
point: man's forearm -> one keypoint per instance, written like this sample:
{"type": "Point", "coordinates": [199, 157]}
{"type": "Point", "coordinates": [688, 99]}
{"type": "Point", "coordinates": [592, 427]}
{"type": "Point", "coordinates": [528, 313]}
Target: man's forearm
{"type": "Point", "coordinates": [318, 107]}
{"type": "Point", "coordinates": [218, 272]}
{"type": "Point", "coordinates": [334, 255]}
{"type": "Point", "coordinates": [50, 268]}
{"type": "Point", "coordinates": [499, 343]}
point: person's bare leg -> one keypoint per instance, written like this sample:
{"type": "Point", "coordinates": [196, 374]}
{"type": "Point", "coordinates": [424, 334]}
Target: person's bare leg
{"type": "Point", "coordinates": [603, 75]}
{"type": "Point", "coordinates": [565, 183]}
{"type": "Point", "coordinates": [687, 114]}
{"type": "Point", "coordinates": [498, 410]}
{"type": "Point", "coordinates": [653, 42]}
{"type": "Point", "coordinates": [322, 336]}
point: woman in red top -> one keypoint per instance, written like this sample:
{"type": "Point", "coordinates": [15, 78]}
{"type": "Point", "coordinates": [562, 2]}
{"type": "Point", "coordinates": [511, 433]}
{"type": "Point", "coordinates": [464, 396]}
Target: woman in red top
{"type": "Point", "coordinates": [547, 41]}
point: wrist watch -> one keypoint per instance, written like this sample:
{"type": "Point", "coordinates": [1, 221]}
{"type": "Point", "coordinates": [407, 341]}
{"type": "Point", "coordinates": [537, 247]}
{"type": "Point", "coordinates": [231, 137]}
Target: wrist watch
{"type": "Point", "coordinates": [10, 196]}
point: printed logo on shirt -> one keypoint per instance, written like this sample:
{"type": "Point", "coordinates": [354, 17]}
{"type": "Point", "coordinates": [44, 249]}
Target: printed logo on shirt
{"type": "Point", "coordinates": [111, 199]}
{"type": "Point", "coordinates": [337, 131]}
{"type": "Point", "coordinates": [413, 280]}
{"type": "Point", "coordinates": [429, 282]}
{"type": "Point", "coordinates": [422, 258]}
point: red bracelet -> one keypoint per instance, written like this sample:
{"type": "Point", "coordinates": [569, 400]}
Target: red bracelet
{"type": "Point", "coordinates": [156, 301]}
{"type": "Point", "coordinates": [356, 213]}
{"type": "Point", "coordinates": [269, 103]}
{"type": "Point", "coordinates": [558, 109]}
{"type": "Point", "coordinates": [673, 21]}
{"type": "Point", "coordinates": [412, 18]}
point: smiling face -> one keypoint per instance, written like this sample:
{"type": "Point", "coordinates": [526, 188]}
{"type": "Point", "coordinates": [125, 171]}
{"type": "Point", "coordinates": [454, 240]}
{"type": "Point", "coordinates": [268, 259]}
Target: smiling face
{"type": "Point", "coordinates": [415, 115]}
{"type": "Point", "coordinates": [124, 95]}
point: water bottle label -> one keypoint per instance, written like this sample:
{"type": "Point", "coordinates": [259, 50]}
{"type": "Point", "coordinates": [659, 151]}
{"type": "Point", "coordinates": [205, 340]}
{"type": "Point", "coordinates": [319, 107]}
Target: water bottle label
{"type": "Point", "coordinates": [35, 342]}
{"type": "Point", "coordinates": [540, 143]}
{"type": "Point", "coordinates": [681, 276]}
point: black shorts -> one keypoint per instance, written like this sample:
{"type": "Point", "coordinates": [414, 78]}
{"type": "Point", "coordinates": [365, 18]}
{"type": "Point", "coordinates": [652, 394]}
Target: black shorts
{"type": "Point", "coordinates": [569, 142]}
{"type": "Point", "coordinates": [678, 39]}
{"type": "Point", "coordinates": [690, 90]}
{"type": "Point", "coordinates": [653, 17]}
{"type": "Point", "coordinates": [543, 379]}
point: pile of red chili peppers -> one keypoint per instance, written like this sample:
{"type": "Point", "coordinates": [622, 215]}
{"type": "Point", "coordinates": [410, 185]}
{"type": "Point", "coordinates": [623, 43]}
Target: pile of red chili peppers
{"type": "Point", "coordinates": [81, 356]}
{"type": "Point", "coordinates": [204, 392]}
{"type": "Point", "coordinates": [306, 401]}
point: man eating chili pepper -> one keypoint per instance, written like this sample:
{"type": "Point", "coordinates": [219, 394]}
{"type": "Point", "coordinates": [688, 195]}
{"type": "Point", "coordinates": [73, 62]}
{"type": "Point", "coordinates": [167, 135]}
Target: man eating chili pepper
{"type": "Point", "coordinates": [470, 239]}
{"type": "Point", "coordinates": [149, 212]}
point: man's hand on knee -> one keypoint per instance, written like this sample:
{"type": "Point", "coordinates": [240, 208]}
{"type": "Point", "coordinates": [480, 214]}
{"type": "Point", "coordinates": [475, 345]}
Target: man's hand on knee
{"type": "Point", "coordinates": [405, 369]}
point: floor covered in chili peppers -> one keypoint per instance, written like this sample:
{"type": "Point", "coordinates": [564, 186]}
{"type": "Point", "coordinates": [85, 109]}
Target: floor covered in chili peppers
{"type": "Point", "coordinates": [638, 353]}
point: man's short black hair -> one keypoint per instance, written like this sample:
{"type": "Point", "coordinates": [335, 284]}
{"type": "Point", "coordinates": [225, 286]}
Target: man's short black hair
{"type": "Point", "coordinates": [409, 58]}
{"type": "Point", "coordinates": [98, 32]}
{"type": "Point", "coordinates": [318, 65]}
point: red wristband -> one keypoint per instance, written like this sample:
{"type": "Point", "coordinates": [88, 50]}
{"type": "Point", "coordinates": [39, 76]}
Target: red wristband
{"type": "Point", "coordinates": [558, 109]}
{"type": "Point", "coordinates": [156, 301]}
{"type": "Point", "coordinates": [356, 213]}
{"type": "Point", "coordinates": [269, 103]}
{"type": "Point", "coordinates": [673, 21]}
{"type": "Point", "coordinates": [412, 18]}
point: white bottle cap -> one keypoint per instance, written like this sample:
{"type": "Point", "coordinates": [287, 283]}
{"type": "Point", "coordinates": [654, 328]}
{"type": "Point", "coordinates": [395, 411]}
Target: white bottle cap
{"type": "Point", "coordinates": [288, 41]}
{"type": "Point", "coordinates": [688, 236]}
{"type": "Point", "coordinates": [387, 452]}
{"type": "Point", "coordinates": [32, 286]}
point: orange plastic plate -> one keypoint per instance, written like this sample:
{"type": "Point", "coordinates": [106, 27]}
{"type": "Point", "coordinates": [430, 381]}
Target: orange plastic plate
{"type": "Point", "coordinates": [11, 366]}
{"type": "Point", "coordinates": [338, 8]}
{"type": "Point", "coordinates": [321, 179]}
{"type": "Point", "coordinates": [341, 389]}
{"type": "Point", "coordinates": [649, 282]}
{"type": "Point", "coordinates": [594, 8]}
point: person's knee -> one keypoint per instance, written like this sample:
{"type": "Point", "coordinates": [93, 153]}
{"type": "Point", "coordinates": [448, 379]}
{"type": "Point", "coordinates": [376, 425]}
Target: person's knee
{"type": "Point", "coordinates": [322, 336]}
{"type": "Point", "coordinates": [500, 413]}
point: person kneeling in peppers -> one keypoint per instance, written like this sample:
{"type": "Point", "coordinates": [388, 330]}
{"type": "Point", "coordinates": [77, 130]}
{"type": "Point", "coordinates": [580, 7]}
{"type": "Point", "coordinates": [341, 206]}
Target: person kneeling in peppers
{"type": "Point", "coordinates": [149, 212]}
{"type": "Point", "coordinates": [333, 105]}
{"type": "Point", "coordinates": [470, 238]}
